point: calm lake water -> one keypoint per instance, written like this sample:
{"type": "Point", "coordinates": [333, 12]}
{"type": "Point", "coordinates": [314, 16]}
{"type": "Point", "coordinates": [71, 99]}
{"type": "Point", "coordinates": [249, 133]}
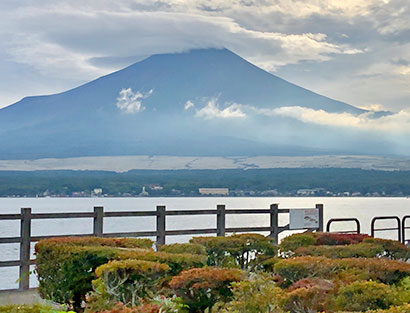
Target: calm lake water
{"type": "Point", "coordinates": [362, 208]}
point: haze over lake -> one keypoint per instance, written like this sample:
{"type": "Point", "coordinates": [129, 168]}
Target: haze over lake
{"type": "Point", "coordinates": [362, 208]}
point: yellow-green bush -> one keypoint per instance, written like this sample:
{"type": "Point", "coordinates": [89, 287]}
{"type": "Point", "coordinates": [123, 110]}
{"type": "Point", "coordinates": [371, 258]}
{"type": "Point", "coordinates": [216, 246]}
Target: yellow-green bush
{"type": "Point", "coordinates": [35, 308]}
{"type": "Point", "coordinates": [129, 281]}
{"type": "Point", "coordinates": [405, 308]}
{"type": "Point", "coordinates": [236, 250]}
{"type": "Point", "coordinates": [256, 295]}
{"type": "Point", "coordinates": [365, 295]}
{"type": "Point", "coordinates": [183, 248]}
{"type": "Point", "coordinates": [360, 250]}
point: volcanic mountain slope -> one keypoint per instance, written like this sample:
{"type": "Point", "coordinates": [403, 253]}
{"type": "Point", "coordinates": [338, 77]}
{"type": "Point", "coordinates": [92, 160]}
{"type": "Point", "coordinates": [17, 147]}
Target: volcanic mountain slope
{"type": "Point", "coordinates": [207, 102]}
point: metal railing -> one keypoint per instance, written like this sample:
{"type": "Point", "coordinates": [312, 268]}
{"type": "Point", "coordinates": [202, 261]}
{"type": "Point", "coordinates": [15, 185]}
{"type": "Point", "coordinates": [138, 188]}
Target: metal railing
{"type": "Point", "coordinates": [26, 216]}
{"type": "Point", "coordinates": [394, 218]}
{"type": "Point", "coordinates": [342, 220]}
{"type": "Point", "coordinates": [404, 228]}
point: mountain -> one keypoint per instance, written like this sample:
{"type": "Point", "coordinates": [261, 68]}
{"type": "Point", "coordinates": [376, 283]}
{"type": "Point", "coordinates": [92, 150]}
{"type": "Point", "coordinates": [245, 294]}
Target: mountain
{"type": "Point", "coordinates": [205, 102]}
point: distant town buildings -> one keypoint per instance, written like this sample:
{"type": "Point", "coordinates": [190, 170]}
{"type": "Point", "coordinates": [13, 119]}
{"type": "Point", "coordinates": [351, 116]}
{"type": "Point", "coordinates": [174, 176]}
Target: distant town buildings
{"type": "Point", "coordinates": [97, 191]}
{"type": "Point", "coordinates": [214, 191]}
{"type": "Point", "coordinates": [155, 187]}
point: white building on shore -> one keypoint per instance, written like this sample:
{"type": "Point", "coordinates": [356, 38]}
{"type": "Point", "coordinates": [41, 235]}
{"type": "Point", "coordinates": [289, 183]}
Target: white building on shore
{"type": "Point", "coordinates": [214, 191]}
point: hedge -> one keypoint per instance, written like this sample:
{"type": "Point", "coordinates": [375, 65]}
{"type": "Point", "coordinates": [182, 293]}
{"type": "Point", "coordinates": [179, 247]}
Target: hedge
{"type": "Point", "coordinates": [65, 268]}
{"type": "Point", "coordinates": [346, 270]}
{"type": "Point", "coordinates": [334, 245]}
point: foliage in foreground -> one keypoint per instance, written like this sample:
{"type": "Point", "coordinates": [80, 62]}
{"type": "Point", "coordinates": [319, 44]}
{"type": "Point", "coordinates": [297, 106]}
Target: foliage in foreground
{"type": "Point", "coordinates": [355, 273]}
{"type": "Point", "coordinates": [35, 308]}
{"type": "Point", "coordinates": [66, 266]}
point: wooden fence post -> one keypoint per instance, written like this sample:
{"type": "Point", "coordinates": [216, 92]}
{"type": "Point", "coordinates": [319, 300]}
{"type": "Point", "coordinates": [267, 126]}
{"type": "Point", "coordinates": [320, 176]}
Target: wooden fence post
{"type": "Point", "coordinates": [220, 220]}
{"type": "Point", "coordinates": [98, 221]}
{"type": "Point", "coordinates": [274, 222]}
{"type": "Point", "coordinates": [25, 240]}
{"type": "Point", "coordinates": [161, 225]}
{"type": "Point", "coordinates": [321, 221]}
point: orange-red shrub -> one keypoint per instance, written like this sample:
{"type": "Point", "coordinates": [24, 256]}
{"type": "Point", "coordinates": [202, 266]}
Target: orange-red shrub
{"type": "Point", "coordinates": [201, 288]}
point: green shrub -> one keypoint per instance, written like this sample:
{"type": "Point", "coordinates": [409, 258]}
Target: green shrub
{"type": "Point", "coordinates": [257, 295]}
{"type": "Point", "coordinates": [190, 248]}
{"type": "Point", "coordinates": [405, 308]}
{"type": "Point", "coordinates": [392, 248]}
{"type": "Point", "coordinates": [360, 250]}
{"type": "Point", "coordinates": [129, 281]}
{"type": "Point", "coordinates": [236, 250]}
{"type": "Point", "coordinates": [35, 308]}
{"type": "Point", "coordinates": [365, 295]}
{"type": "Point", "coordinates": [346, 270]}
{"type": "Point", "coordinates": [291, 243]}
{"type": "Point", "coordinates": [201, 288]}
{"type": "Point", "coordinates": [65, 268]}
{"type": "Point", "coordinates": [101, 242]}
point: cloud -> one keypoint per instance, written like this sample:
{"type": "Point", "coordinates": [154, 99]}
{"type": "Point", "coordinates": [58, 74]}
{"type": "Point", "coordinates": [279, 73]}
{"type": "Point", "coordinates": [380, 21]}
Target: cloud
{"type": "Point", "coordinates": [130, 102]}
{"type": "Point", "coordinates": [189, 104]}
{"type": "Point", "coordinates": [320, 45]}
{"type": "Point", "coordinates": [212, 110]}
{"type": "Point", "coordinates": [396, 123]}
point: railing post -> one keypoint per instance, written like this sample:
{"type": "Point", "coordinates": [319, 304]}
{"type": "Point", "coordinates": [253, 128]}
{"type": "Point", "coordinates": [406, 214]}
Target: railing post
{"type": "Point", "coordinates": [25, 240]}
{"type": "Point", "coordinates": [98, 221]}
{"type": "Point", "coordinates": [220, 220]}
{"type": "Point", "coordinates": [161, 218]}
{"type": "Point", "coordinates": [274, 222]}
{"type": "Point", "coordinates": [321, 221]}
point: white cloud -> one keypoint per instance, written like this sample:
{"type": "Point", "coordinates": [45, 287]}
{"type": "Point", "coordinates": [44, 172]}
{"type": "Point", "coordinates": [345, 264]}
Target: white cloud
{"type": "Point", "coordinates": [397, 122]}
{"type": "Point", "coordinates": [130, 102]}
{"type": "Point", "coordinates": [189, 104]}
{"type": "Point", "coordinates": [212, 110]}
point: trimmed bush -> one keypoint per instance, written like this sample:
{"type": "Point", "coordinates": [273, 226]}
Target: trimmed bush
{"type": "Point", "coordinates": [368, 248]}
{"type": "Point", "coordinates": [392, 249]}
{"type": "Point", "coordinates": [201, 288]}
{"type": "Point", "coordinates": [101, 242]}
{"type": "Point", "coordinates": [346, 270]}
{"type": "Point", "coordinates": [129, 281]}
{"type": "Point", "coordinates": [290, 243]}
{"type": "Point", "coordinates": [360, 250]}
{"type": "Point", "coordinates": [35, 308]}
{"type": "Point", "coordinates": [65, 268]}
{"type": "Point", "coordinates": [257, 295]}
{"type": "Point", "coordinates": [183, 248]}
{"type": "Point", "coordinates": [365, 295]}
{"type": "Point", "coordinates": [236, 250]}
{"type": "Point", "coordinates": [405, 308]}
{"type": "Point", "coordinates": [337, 239]}
{"type": "Point", "coordinates": [307, 299]}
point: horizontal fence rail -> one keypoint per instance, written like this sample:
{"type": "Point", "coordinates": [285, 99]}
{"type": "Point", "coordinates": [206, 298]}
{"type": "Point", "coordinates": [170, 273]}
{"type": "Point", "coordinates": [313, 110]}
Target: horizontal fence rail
{"type": "Point", "coordinates": [98, 215]}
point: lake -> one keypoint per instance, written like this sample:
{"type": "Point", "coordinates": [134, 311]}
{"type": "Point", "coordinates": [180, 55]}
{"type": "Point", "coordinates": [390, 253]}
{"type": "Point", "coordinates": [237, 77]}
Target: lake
{"type": "Point", "coordinates": [362, 208]}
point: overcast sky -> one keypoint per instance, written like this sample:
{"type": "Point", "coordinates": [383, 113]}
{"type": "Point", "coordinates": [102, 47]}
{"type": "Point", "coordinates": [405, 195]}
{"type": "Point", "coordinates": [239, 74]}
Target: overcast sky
{"type": "Point", "coordinates": [352, 50]}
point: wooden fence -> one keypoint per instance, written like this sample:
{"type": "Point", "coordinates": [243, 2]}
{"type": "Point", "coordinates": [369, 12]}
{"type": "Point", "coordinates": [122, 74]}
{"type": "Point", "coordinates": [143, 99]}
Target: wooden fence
{"type": "Point", "coordinates": [26, 216]}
